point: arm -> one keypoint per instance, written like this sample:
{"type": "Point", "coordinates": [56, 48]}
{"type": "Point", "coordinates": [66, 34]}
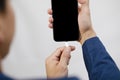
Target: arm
{"type": "Point", "coordinates": [99, 64]}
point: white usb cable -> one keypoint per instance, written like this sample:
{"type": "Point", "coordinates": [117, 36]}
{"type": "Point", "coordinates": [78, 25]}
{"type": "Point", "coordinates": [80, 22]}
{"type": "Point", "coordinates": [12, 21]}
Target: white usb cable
{"type": "Point", "coordinates": [66, 44]}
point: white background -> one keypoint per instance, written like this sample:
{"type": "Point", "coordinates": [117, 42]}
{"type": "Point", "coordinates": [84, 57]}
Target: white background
{"type": "Point", "coordinates": [33, 40]}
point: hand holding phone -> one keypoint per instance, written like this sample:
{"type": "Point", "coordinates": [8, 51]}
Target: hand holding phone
{"type": "Point", "coordinates": [86, 30]}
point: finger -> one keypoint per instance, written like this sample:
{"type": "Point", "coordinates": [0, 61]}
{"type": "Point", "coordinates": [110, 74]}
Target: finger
{"type": "Point", "coordinates": [51, 25]}
{"type": "Point", "coordinates": [51, 19]}
{"type": "Point", "coordinates": [58, 52]}
{"type": "Point", "coordinates": [72, 48]}
{"type": "Point", "coordinates": [65, 57]}
{"type": "Point", "coordinates": [50, 11]}
{"type": "Point", "coordinates": [84, 3]}
{"type": "Point", "coordinates": [79, 8]}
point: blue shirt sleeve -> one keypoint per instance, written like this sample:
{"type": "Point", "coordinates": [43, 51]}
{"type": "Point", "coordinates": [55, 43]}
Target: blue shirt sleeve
{"type": "Point", "coordinates": [99, 64]}
{"type": "Point", "coordinates": [4, 77]}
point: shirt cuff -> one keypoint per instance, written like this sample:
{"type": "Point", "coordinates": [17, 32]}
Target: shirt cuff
{"type": "Point", "coordinates": [92, 43]}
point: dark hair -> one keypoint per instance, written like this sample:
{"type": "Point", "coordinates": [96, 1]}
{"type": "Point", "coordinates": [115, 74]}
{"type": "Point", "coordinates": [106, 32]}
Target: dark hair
{"type": "Point", "coordinates": [2, 5]}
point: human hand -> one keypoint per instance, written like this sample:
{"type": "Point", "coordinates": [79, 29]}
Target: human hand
{"type": "Point", "coordinates": [84, 21]}
{"type": "Point", "coordinates": [57, 63]}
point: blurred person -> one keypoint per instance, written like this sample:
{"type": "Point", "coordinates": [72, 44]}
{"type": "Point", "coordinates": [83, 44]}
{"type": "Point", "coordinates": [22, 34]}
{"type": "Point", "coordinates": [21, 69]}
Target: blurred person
{"type": "Point", "coordinates": [6, 35]}
{"type": "Point", "coordinates": [99, 64]}
{"type": "Point", "coordinates": [6, 31]}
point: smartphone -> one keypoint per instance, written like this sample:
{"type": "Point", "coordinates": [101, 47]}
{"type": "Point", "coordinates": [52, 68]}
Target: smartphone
{"type": "Point", "coordinates": [65, 24]}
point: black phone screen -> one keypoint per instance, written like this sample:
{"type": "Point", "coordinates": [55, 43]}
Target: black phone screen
{"type": "Point", "coordinates": [65, 24]}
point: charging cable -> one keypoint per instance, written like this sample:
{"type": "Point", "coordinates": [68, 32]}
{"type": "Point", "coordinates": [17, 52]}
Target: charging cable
{"type": "Point", "coordinates": [66, 44]}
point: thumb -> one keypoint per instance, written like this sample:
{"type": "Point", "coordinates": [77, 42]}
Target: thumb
{"type": "Point", "coordinates": [65, 57]}
{"type": "Point", "coordinates": [84, 3]}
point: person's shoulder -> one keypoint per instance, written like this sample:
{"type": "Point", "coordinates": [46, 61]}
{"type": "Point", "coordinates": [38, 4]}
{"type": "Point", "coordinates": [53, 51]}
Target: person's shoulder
{"type": "Point", "coordinates": [4, 77]}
